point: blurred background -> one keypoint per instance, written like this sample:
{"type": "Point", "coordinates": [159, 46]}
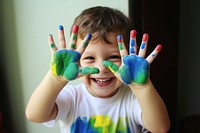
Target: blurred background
{"type": "Point", "coordinates": [25, 55]}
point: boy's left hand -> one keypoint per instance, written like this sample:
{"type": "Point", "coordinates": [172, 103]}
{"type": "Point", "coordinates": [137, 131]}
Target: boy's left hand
{"type": "Point", "coordinates": [134, 68]}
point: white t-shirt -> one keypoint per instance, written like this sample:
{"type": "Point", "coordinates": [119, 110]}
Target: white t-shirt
{"type": "Point", "coordinates": [81, 112]}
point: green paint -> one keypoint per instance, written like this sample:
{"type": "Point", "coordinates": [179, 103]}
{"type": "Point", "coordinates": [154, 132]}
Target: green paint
{"type": "Point", "coordinates": [85, 44]}
{"type": "Point", "coordinates": [113, 67]}
{"type": "Point", "coordinates": [52, 46]}
{"type": "Point", "coordinates": [89, 70]}
{"type": "Point", "coordinates": [71, 72]}
{"type": "Point", "coordinates": [134, 70]}
{"type": "Point", "coordinates": [120, 46]}
{"type": "Point", "coordinates": [141, 77]}
{"type": "Point", "coordinates": [64, 64]}
{"type": "Point", "coordinates": [73, 46]}
{"type": "Point", "coordinates": [74, 37]}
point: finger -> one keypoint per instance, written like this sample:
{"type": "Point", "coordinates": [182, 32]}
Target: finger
{"type": "Point", "coordinates": [143, 46]}
{"type": "Point", "coordinates": [84, 43]}
{"type": "Point", "coordinates": [73, 38]}
{"type": "Point", "coordinates": [88, 70]}
{"type": "Point", "coordinates": [121, 46]}
{"type": "Point", "coordinates": [52, 43]}
{"type": "Point", "coordinates": [112, 67]}
{"type": "Point", "coordinates": [61, 37]}
{"type": "Point", "coordinates": [153, 55]}
{"type": "Point", "coordinates": [132, 43]}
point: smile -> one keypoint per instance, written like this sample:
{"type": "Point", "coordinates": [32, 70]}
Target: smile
{"type": "Point", "coordinates": [103, 80]}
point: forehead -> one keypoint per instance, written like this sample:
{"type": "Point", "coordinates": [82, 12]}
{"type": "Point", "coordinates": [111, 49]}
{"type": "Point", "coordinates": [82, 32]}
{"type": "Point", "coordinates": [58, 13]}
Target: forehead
{"type": "Point", "coordinates": [100, 46]}
{"type": "Point", "coordinates": [111, 36]}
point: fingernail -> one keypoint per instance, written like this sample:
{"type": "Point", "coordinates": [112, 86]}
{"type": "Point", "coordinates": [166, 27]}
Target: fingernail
{"type": "Point", "coordinates": [75, 29]}
{"type": "Point", "coordinates": [145, 37]}
{"type": "Point", "coordinates": [133, 33]}
{"type": "Point", "coordinates": [119, 38]}
{"type": "Point", "coordinates": [89, 36]}
{"type": "Point", "coordinates": [158, 47]}
{"type": "Point", "coordinates": [60, 27]}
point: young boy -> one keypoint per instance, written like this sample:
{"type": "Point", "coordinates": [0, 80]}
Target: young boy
{"type": "Point", "coordinates": [116, 95]}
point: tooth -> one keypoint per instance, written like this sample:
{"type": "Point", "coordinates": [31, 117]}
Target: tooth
{"type": "Point", "coordinates": [102, 80]}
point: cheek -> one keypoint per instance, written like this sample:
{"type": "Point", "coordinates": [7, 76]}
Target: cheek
{"type": "Point", "coordinates": [118, 63]}
{"type": "Point", "coordinates": [85, 80]}
{"type": "Point", "coordinates": [82, 64]}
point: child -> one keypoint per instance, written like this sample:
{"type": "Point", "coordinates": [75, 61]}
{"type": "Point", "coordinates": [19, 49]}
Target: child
{"type": "Point", "coordinates": [116, 95]}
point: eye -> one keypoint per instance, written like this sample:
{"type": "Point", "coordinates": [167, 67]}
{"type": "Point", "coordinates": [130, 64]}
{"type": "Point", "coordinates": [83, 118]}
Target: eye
{"type": "Point", "coordinates": [89, 58]}
{"type": "Point", "coordinates": [114, 57]}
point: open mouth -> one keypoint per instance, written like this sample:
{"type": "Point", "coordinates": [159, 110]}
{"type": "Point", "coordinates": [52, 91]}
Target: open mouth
{"type": "Point", "coordinates": [102, 80]}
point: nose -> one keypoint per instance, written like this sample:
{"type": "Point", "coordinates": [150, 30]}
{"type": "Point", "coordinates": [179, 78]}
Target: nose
{"type": "Point", "coordinates": [102, 69]}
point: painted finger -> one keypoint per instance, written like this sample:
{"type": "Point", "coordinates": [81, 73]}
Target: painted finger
{"type": "Point", "coordinates": [88, 70]}
{"type": "Point", "coordinates": [84, 43]}
{"type": "Point", "coordinates": [52, 43]}
{"type": "Point", "coordinates": [112, 67]}
{"type": "Point", "coordinates": [153, 55]}
{"type": "Point", "coordinates": [143, 46]}
{"type": "Point", "coordinates": [132, 43]}
{"type": "Point", "coordinates": [121, 45]}
{"type": "Point", "coordinates": [73, 38]}
{"type": "Point", "coordinates": [61, 37]}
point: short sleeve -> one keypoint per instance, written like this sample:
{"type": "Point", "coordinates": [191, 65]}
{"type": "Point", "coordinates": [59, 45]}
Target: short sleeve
{"type": "Point", "coordinates": [63, 104]}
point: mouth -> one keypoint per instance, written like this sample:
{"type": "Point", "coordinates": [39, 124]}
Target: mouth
{"type": "Point", "coordinates": [102, 82]}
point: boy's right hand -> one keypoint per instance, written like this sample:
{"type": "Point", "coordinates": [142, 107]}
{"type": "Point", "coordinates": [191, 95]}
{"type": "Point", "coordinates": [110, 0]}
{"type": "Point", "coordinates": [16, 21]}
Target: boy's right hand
{"type": "Point", "coordinates": [64, 61]}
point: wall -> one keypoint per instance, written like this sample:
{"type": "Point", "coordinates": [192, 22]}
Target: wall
{"type": "Point", "coordinates": [25, 52]}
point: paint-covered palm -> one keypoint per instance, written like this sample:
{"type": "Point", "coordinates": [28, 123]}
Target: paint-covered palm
{"type": "Point", "coordinates": [65, 61]}
{"type": "Point", "coordinates": [134, 68]}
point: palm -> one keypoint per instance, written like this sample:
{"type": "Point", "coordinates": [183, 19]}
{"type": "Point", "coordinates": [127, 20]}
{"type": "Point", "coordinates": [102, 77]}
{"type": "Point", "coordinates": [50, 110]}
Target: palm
{"type": "Point", "coordinates": [64, 63]}
{"type": "Point", "coordinates": [135, 69]}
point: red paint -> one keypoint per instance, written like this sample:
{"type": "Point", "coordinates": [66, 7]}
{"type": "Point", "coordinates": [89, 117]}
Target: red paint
{"type": "Point", "coordinates": [119, 38]}
{"type": "Point", "coordinates": [145, 37]}
{"type": "Point", "coordinates": [75, 29]}
{"type": "Point", "coordinates": [158, 47]}
{"type": "Point", "coordinates": [133, 33]}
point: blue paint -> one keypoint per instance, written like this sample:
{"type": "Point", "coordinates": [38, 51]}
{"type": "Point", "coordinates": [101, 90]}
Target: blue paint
{"type": "Point", "coordinates": [132, 51]}
{"type": "Point", "coordinates": [60, 27]}
{"type": "Point", "coordinates": [89, 36]}
{"type": "Point", "coordinates": [136, 69]}
{"type": "Point", "coordinates": [132, 45]}
{"type": "Point", "coordinates": [143, 45]}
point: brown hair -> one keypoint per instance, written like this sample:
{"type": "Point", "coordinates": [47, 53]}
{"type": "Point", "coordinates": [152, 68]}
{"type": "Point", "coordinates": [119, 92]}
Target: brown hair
{"type": "Point", "coordinates": [102, 20]}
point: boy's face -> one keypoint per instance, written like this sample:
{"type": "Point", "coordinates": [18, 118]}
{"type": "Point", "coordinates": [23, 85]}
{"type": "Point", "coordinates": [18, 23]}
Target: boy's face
{"type": "Point", "coordinates": [104, 84]}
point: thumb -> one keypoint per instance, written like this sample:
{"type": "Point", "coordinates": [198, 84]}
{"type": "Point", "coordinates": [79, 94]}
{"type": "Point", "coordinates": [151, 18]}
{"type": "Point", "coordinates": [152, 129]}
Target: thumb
{"type": "Point", "coordinates": [113, 68]}
{"type": "Point", "coordinates": [88, 70]}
